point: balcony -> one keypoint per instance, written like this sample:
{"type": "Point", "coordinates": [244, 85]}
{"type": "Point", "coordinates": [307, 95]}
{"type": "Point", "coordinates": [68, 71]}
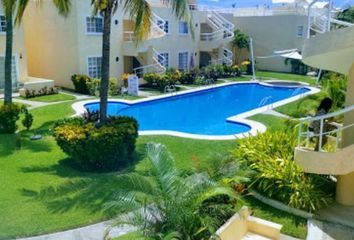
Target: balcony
{"type": "Point", "coordinates": [129, 40]}
{"type": "Point", "coordinates": [330, 159]}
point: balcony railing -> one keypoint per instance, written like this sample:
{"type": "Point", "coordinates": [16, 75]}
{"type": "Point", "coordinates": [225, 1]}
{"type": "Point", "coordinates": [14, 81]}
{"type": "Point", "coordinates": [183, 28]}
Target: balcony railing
{"type": "Point", "coordinates": [328, 128]}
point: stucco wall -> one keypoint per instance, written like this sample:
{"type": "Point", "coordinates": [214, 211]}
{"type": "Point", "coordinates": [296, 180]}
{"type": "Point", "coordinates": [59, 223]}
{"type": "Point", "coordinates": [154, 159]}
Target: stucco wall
{"type": "Point", "coordinates": [19, 50]}
{"type": "Point", "coordinates": [271, 33]}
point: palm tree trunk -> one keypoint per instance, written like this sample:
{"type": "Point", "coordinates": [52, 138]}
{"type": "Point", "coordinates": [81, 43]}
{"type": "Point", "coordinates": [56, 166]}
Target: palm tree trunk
{"type": "Point", "coordinates": [105, 63]}
{"type": "Point", "coordinates": [8, 59]}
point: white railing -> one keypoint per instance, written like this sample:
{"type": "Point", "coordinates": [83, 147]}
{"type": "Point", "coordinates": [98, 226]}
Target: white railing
{"type": "Point", "coordinates": [226, 58]}
{"type": "Point", "coordinates": [156, 30]}
{"type": "Point", "coordinates": [327, 129]}
{"type": "Point", "coordinates": [224, 29]}
{"type": "Point", "coordinates": [214, 36]}
{"type": "Point", "coordinates": [156, 67]}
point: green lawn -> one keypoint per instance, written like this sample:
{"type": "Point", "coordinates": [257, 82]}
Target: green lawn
{"type": "Point", "coordinates": [303, 107]}
{"type": "Point", "coordinates": [265, 75]}
{"type": "Point", "coordinates": [42, 193]}
{"type": "Point", "coordinates": [51, 98]}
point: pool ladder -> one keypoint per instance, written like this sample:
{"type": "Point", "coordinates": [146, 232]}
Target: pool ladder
{"type": "Point", "coordinates": [264, 102]}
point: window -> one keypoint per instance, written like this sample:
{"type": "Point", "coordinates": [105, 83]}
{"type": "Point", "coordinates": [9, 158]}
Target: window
{"type": "Point", "coordinates": [94, 24]}
{"type": "Point", "coordinates": [183, 61]}
{"type": "Point", "coordinates": [300, 31]}
{"type": "Point", "coordinates": [94, 67]}
{"type": "Point", "coordinates": [164, 26]}
{"type": "Point", "coordinates": [2, 23]}
{"type": "Point", "coordinates": [183, 28]}
{"type": "Point", "coordinates": [163, 59]}
{"type": "Point", "coordinates": [13, 72]}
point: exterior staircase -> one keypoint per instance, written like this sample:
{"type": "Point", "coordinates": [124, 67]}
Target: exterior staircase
{"type": "Point", "coordinates": [155, 67]}
{"type": "Point", "coordinates": [227, 56]}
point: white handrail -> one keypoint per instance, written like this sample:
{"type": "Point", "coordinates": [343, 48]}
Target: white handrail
{"type": "Point", "coordinates": [156, 67]}
{"type": "Point", "coordinates": [323, 131]}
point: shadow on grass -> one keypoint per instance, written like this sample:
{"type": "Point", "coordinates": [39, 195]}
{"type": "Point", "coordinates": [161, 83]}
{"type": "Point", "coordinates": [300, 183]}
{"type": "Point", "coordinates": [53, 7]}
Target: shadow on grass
{"type": "Point", "coordinates": [85, 190]}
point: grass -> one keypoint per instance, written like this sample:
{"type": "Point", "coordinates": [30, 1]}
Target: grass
{"type": "Point", "coordinates": [51, 98]}
{"type": "Point", "coordinates": [39, 183]}
{"type": "Point", "coordinates": [303, 107]}
{"type": "Point", "coordinates": [265, 75]}
{"type": "Point", "coordinates": [292, 225]}
{"type": "Point", "coordinates": [273, 123]}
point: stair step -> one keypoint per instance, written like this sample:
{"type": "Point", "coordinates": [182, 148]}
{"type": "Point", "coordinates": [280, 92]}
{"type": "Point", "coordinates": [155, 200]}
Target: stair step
{"type": "Point", "coordinates": [254, 236]}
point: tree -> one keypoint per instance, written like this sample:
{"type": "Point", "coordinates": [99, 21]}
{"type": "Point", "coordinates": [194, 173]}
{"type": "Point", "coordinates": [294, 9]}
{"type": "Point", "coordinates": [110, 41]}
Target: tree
{"type": "Point", "coordinates": [140, 10]}
{"type": "Point", "coordinates": [347, 15]}
{"type": "Point", "coordinates": [165, 204]}
{"type": "Point", "coordinates": [240, 42]}
{"type": "Point", "coordinates": [14, 11]}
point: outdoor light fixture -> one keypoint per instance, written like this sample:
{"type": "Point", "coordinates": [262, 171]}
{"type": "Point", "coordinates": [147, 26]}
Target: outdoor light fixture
{"type": "Point", "coordinates": [117, 59]}
{"type": "Point", "coordinates": [116, 22]}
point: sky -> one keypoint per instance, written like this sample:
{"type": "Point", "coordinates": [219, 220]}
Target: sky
{"type": "Point", "coordinates": [252, 3]}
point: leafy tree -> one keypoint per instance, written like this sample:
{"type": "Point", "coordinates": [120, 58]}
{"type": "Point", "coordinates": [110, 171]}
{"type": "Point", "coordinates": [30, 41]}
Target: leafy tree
{"type": "Point", "coordinates": [14, 10]}
{"type": "Point", "coordinates": [297, 66]}
{"type": "Point", "coordinates": [347, 15]}
{"type": "Point", "coordinates": [164, 204]}
{"type": "Point", "coordinates": [140, 10]}
{"type": "Point", "coordinates": [240, 42]}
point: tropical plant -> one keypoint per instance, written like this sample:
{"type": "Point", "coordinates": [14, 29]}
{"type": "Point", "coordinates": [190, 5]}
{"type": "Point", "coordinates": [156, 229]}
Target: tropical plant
{"type": "Point", "coordinates": [240, 42]}
{"type": "Point", "coordinates": [297, 66]}
{"type": "Point", "coordinates": [14, 11]}
{"type": "Point", "coordinates": [270, 155]}
{"type": "Point", "coordinates": [164, 204]}
{"type": "Point", "coordinates": [335, 85]}
{"type": "Point", "coordinates": [28, 119]}
{"type": "Point", "coordinates": [346, 15]}
{"type": "Point", "coordinates": [140, 11]}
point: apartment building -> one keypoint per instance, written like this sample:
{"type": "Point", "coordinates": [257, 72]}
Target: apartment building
{"type": "Point", "coordinates": [59, 47]}
{"type": "Point", "coordinates": [19, 63]}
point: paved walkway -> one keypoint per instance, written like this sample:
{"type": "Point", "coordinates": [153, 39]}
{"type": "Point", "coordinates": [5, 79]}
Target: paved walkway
{"type": "Point", "coordinates": [318, 230]}
{"type": "Point", "coordinates": [277, 114]}
{"type": "Point", "coordinates": [91, 232]}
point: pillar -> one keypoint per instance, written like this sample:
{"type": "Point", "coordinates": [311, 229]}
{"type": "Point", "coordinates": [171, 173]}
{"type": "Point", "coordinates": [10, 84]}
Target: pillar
{"type": "Point", "coordinates": [345, 183]}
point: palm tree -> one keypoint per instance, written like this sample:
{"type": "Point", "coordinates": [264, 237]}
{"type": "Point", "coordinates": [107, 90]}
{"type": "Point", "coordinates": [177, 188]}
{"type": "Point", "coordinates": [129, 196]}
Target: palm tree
{"type": "Point", "coordinates": [14, 10]}
{"type": "Point", "coordinates": [140, 10]}
{"type": "Point", "coordinates": [164, 204]}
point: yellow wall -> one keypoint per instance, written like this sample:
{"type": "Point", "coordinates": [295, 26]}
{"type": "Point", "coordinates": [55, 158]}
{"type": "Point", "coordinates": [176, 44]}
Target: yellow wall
{"type": "Point", "coordinates": [19, 50]}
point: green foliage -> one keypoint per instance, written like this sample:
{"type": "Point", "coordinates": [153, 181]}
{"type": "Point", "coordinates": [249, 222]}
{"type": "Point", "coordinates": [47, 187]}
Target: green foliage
{"type": "Point", "coordinates": [240, 41]}
{"type": "Point", "coordinates": [106, 147]}
{"type": "Point", "coordinates": [160, 81]}
{"type": "Point", "coordinates": [9, 114]}
{"type": "Point", "coordinates": [80, 83]}
{"type": "Point", "coordinates": [270, 155]}
{"type": "Point", "coordinates": [27, 120]}
{"type": "Point", "coordinates": [41, 92]}
{"type": "Point", "coordinates": [167, 204]}
{"type": "Point", "coordinates": [91, 86]}
{"type": "Point", "coordinates": [347, 15]}
{"type": "Point", "coordinates": [297, 66]}
{"type": "Point", "coordinates": [336, 86]}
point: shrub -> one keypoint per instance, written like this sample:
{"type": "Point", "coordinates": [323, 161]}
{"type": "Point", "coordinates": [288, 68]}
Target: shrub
{"type": "Point", "coordinates": [41, 92]}
{"type": "Point", "coordinates": [160, 81]}
{"type": "Point", "coordinates": [187, 77]}
{"type": "Point", "coordinates": [27, 120]}
{"type": "Point", "coordinates": [277, 176]}
{"type": "Point", "coordinates": [336, 86]}
{"type": "Point", "coordinates": [93, 147]}
{"type": "Point", "coordinates": [80, 83]}
{"type": "Point", "coordinates": [9, 114]}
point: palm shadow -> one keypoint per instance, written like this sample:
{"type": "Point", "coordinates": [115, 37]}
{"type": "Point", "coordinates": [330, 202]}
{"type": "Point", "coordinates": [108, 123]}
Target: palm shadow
{"type": "Point", "coordinates": [85, 190]}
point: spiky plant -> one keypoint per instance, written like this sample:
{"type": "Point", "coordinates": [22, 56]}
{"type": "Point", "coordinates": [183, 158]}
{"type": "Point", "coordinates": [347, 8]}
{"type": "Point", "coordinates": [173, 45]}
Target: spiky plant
{"type": "Point", "coordinates": [166, 205]}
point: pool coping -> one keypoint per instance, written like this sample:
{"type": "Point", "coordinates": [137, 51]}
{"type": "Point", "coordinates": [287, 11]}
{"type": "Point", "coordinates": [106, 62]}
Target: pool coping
{"type": "Point", "coordinates": [256, 127]}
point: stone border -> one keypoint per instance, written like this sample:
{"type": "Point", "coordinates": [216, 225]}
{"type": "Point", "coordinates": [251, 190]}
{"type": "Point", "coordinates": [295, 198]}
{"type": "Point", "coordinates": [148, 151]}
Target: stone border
{"type": "Point", "coordinates": [281, 206]}
{"type": "Point", "coordinates": [256, 127]}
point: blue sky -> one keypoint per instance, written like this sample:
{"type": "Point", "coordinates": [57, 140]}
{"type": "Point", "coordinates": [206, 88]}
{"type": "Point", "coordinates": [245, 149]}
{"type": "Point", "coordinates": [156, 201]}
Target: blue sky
{"type": "Point", "coordinates": [251, 3]}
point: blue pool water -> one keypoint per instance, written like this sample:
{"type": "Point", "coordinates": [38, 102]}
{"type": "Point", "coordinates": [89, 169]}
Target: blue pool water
{"type": "Point", "coordinates": [204, 112]}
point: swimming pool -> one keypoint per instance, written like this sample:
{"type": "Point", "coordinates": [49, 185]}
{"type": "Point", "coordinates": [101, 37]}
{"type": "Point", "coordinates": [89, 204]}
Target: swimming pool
{"type": "Point", "coordinates": [207, 112]}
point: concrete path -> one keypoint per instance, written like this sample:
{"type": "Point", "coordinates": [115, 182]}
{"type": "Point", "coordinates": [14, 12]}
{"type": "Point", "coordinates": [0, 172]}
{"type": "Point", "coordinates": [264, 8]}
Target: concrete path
{"type": "Point", "coordinates": [318, 230]}
{"type": "Point", "coordinates": [92, 232]}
